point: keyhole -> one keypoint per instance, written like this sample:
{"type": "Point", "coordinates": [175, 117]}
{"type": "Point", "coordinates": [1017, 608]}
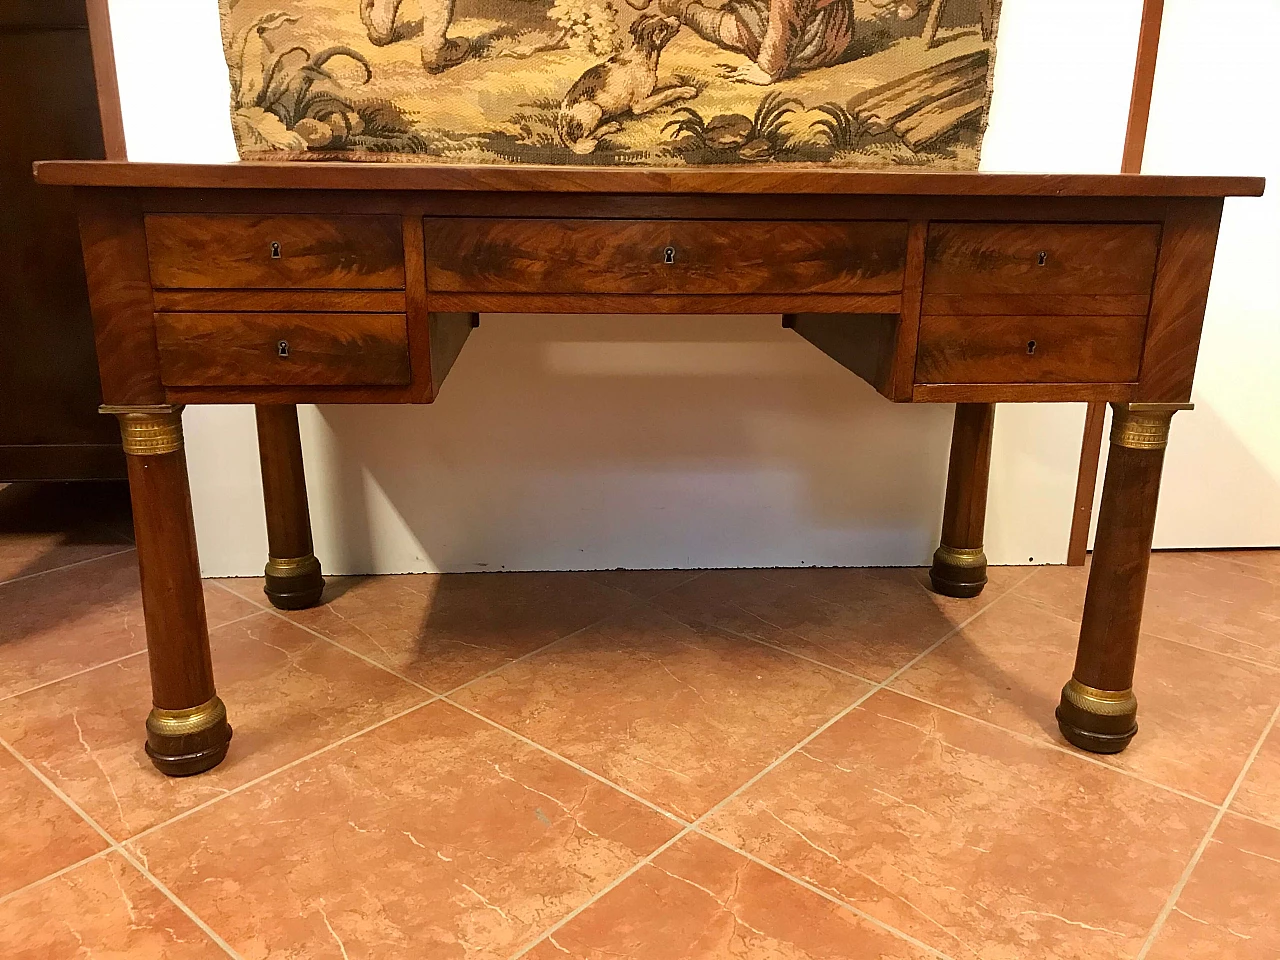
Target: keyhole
{"type": "Point", "coordinates": [669, 255]}
{"type": "Point", "coordinates": [1031, 348]}
{"type": "Point", "coordinates": [282, 348]}
{"type": "Point", "coordinates": [275, 250]}
{"type": "Point", "coordinates": [1042, 258]}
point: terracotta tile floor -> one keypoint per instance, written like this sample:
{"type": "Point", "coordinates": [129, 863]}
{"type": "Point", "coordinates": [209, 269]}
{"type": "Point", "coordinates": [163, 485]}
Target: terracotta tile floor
{"type": "Point", "coordinates": [758, 764]}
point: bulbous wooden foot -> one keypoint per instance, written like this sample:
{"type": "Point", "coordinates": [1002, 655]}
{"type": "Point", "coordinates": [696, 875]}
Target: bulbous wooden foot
{"type": "Point", "coordinates": [958, 572]}
{"type": "Point", "coordinates": [182, 743]}
{"type": "Point", "coordinates": [293, 583]}
{"type": "Point", "coordinates": [1100, 721]}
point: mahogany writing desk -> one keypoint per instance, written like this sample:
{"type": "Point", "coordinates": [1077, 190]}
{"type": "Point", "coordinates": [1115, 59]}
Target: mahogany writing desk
{"type": "Point", "coordinates": [285, 283]}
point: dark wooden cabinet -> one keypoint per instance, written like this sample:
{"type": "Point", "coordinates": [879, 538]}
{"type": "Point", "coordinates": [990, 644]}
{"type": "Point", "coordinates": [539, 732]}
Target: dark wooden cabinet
{"type": "Point", "coordinates": [49, 392]}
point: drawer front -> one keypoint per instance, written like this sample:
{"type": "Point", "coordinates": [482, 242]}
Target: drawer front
{"type": "Point", "coordinates": [321, 349]}
{"type": "Point", "coordinates": [1029, 349]}
{"type": "Point", "coordinates": [1041, 258]}
{"type": "Point", "coordinates": [478, 255]}
{"type": "Point", "coordinates": [317, 252]}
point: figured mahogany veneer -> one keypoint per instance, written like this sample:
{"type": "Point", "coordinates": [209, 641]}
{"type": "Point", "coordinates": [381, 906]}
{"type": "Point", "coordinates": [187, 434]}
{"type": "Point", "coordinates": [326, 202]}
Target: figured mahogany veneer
{"type": "Point", "coordinates": [295, 349]}
{"type": "Point", "coordinates": [481, 255]}
{"type": "Point", "coordinates": [334, 252]}
{"type": "Point", "coordinates": [973, 289]}
{"type": "Point", "coordinates": [1029, 349]}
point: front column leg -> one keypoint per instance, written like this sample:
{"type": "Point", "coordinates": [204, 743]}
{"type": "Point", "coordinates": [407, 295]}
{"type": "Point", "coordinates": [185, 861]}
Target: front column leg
{"type": "Point", "coordinates": [1098, 711]}
{"type": "Point", "coordinates": [187, 730]}
{"type": "Point", "coordinates": [293, 578]}
{"type": "Point", "coordinates": [959, 565]}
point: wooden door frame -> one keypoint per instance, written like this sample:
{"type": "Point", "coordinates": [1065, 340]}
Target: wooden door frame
{"type": "Point", "coordinates": [1135, 142]}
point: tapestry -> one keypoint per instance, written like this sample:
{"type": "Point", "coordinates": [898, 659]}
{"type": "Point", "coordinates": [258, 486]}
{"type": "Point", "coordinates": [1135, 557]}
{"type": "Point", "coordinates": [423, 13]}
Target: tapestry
{"type": "Point", "coordinates": [854, 83]}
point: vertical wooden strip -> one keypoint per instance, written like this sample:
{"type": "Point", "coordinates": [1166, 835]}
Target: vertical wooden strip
{"type": "Point", "coordinates": [423, 388]}
{"type": "Point", "coordinates": [903, 379]}
{"type": "Point", "coordinates": [1144, 78]}
{"type": "Point", "coordinates": [115, 262]}
{"type": "Point", "coordinates": [1135, 142]}
{"type": "Point", "coordinates": [1086, 484]}
{"type": "Point", "coordinates": [1178, 300]}
{"type": "Point", "coordinates": [104, 71]}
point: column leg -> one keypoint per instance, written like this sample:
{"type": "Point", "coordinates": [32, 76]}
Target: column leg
{"type": "Point", "coordinates": [1098, 711]}
{"type": "Point", "coordinates": [187, 730]}
{"type": "Point", "coordinates": [294, 581]}
{"type": "Point", "coordinates": [959, 565]}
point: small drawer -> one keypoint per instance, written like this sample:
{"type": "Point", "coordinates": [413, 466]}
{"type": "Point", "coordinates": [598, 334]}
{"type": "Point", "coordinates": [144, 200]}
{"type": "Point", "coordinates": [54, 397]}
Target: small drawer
{"type": "Point", "coordinates": [482, 255]}
{"type": "Point", "coordinates": [1041, 259]}
{"type": "Point", "coordinates": [284, 349]}
{"type": "Point", "coordinates": [1029, 349]}
{"type": "Point", "coordinates": [220, 251]}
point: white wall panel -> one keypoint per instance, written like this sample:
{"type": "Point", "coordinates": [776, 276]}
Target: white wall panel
{"type": "Point", "coordinates": [563, 442]}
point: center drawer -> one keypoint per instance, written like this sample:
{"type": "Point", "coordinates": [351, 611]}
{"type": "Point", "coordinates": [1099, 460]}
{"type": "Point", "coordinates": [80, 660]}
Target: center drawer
{"type": "Point", "coordinates": [284, 349]}
{"type": "Point", "coordinates": [296, 251]}
{"type": "Point", "coordinates": [489, 255]}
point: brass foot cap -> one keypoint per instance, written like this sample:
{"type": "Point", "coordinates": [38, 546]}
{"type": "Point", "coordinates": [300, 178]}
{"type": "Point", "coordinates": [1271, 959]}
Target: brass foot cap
{"type": "Point", "coordinates": [960, 573]}
{"type": "Point", "coordinates": [184, 742]}
{"type": "Point", "coordinates": [1100, 721]}
{"type": "Point", "coordinates": [294, 583]}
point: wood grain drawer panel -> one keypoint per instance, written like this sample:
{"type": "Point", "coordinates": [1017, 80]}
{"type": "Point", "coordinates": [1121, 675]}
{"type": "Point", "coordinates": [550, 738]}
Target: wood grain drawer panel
{"type": "Point", "coordinates": [995, 349]}
{"type": "Point", "coordinates": [242, 349]}
{"type": "Point", "coordinates": [1006, 258]}
{"type": "Point", "coordinates": [288, 301]}
{"type": "Point", "coordinates": [1043, 304]}
{"type": "Point", "coordinates": [340, 252]}
{"type": "Point", "coordinates": [479, 255]}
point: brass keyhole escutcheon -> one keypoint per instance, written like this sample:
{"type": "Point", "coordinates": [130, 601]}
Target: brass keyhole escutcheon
{"type": "Point", "coordinates": [1042, 258]}
{"type": "Point", "coordinates": [275, 250]}
{"type": "Point", "coordinates": [1031, 348]}
{"type": "Point", "coordinates": [282, 348]}
{"type": "Point", "coordinates": [669, 255]}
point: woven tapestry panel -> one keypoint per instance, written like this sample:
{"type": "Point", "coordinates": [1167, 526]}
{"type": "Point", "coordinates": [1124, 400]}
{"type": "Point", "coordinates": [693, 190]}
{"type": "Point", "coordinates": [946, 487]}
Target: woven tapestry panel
{"type": "Point", "coordinates": [657, 83]}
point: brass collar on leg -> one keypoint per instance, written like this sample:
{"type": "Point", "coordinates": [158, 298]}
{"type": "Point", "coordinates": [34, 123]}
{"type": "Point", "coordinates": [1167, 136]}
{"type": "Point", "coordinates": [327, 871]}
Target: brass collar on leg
{"type": "Point", "coordinates": [148, 430]}
{"type": "Point", "coordinates": [964, 558]}
{"type": "Point", "coordinates": [287, 567]}
{"type": "Point", "coordinates": [1143, 426]}
{"type": "Point", "coordinates": [1102, 703]}
{"type": "Point", "coordinates": [187, 721]}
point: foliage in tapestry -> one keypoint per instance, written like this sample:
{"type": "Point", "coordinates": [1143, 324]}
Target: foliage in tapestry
{"type": "Point", "coordinates": [869, 83]}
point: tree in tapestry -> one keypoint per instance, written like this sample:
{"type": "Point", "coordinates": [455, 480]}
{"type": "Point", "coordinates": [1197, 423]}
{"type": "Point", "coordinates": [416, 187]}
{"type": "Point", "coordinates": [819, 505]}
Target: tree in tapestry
{"type": "Point", "coordinates": [858, 83]}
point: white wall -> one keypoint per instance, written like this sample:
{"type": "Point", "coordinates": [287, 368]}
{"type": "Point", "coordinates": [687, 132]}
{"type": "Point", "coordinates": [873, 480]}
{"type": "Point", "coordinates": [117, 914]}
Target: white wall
{"type": "Point", "coordinates": [585, 442]}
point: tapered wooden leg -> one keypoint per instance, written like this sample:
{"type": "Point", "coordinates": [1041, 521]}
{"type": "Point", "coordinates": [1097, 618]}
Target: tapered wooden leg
{"type": "Point", "coordinates": [293, 576]}
{"type": "Point", "coordinates": [959, 565]}
{"type": "Point", "coordinates": [187, 730]}
{"type": "Point", "coordinates": [1098, 711]}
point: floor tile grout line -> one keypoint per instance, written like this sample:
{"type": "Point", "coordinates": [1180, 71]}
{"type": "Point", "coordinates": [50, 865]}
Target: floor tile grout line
{"type": "Point", "coordinates": [62, 871]}
{"type": "Point", "coordinates": [68, 566]}
{"type": "Point", "coordinates": [114, 845]}
{"type": "Point", "coordinates": [1057, 747]}
{"type": "Point", "coordinates": [72, 676]}
{"type": "Point", "coordinates": [341, 741]}
{"type": "Point", "coordinates": [280, 615]}
{"type": "Point", "coordinates": [848, 710]}
{"type": "Point", "coordinates": [601, 893]}
{"type": "Point", "coordinates": [1178, 887]}
{"type": "Point", "coordinates": [109, 663]}
{"type": "Point", "coordinates": [180, 904]}
{"type": "Point", "coordinates": [825, 894]}
{"type": "Point", "coordinates": [572, 763]}
{"type": "Point", "coordinates": [1143, 632]}
{"type": "Point", "coordinates": [694, 826]}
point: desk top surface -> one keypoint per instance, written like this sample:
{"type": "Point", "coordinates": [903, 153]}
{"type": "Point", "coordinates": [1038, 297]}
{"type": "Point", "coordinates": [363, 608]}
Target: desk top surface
{"type": "Point", "coordinates": [773, 180]}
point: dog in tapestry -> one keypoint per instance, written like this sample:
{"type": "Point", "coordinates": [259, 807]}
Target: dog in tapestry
{"type": "Point", "coordinates": [625, 83]}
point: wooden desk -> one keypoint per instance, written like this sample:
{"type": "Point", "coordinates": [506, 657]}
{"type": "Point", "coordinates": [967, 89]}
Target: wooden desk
{"type": "Point", "coordinates": [278, 284]}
